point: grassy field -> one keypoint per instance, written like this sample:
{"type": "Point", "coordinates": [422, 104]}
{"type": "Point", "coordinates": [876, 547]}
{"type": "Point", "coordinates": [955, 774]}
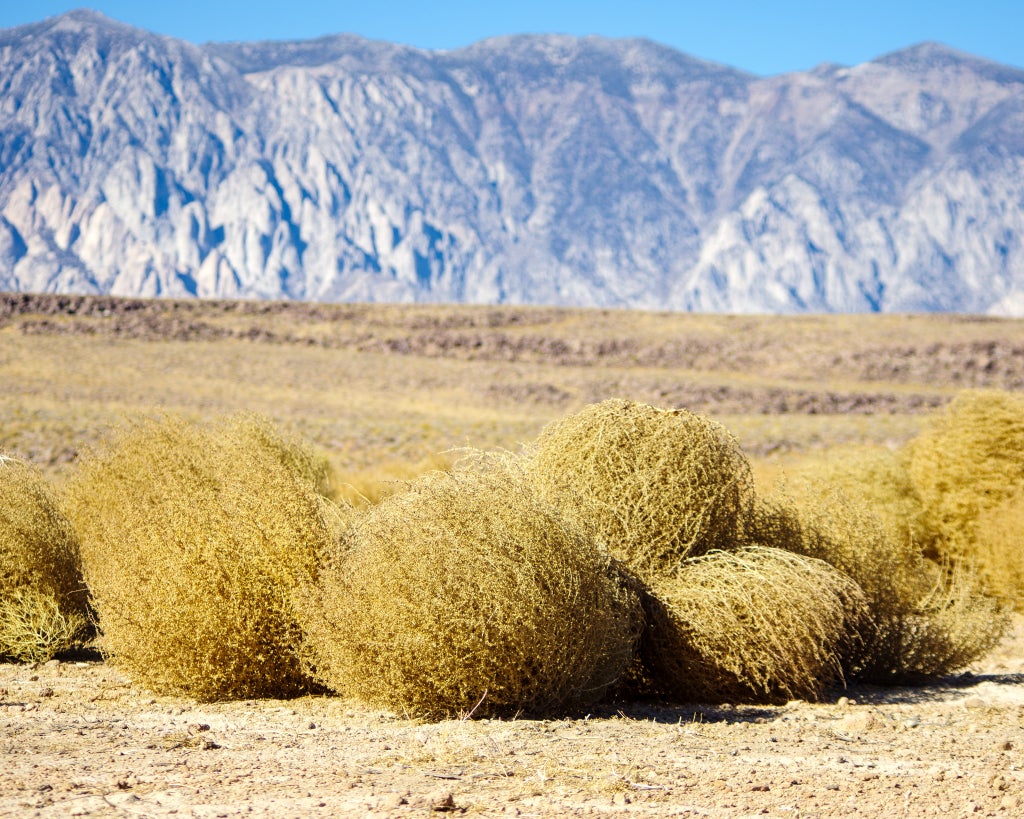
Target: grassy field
{"type": "Point", "coordinates": [383, 388]}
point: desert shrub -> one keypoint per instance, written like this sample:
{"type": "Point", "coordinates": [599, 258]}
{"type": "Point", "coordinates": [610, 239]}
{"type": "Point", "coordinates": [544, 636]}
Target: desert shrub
{"type": "Point", "coordinates": [296, 455]}
{"type": "Point", "coordinates": [466, 592]}
{"type": "Point", "coordinates": [655, 486]}
{"type": "Point", "coordinates": [34, 626]}
{"type": "Point", "coordinates": [999, 549]}
{"type": "Point", "coordinates": [925, 618]}
{"type": "Point", "coordinates": [878, 478]}
{"type": "Point", "coordinates": [969, 459]}
{"type": "Point", "coordinates": [755, 625]}
{"type": "Point", "coordinates": [193, 537]}
{"type": "Point", "coordinates": [370, 486]}
{"type": "Point", "coordinates": [41, 586]}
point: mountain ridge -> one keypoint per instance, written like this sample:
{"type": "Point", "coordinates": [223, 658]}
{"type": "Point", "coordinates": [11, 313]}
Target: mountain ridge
{"type": "Point", "coordinates": [526, 169]}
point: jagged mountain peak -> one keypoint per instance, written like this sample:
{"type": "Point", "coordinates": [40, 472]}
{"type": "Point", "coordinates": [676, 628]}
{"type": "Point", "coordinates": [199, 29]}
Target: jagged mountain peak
{"type": "Point", "coordinates": [569, 55]}
{"type": "Point", "coordinates": [933, 56]}
{"type": "Point", "coordinates": [79, 25]}
{"type": "Point", "coordinates": [85, 18]}
{"type": "Point", "coordinates": [928, 62]}
{"type": "Point", "coordinates": [271, 54]}
{"type": "Point", "coordinates": [68, 37]}
{"type": "Point", "coordinates": [926, 54]}
{"type": "Point", "coordinates": [73, 22]}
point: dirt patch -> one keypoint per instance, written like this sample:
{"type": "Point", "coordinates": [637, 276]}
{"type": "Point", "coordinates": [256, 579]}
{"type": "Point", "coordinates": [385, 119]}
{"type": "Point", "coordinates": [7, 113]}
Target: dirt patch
{"type": "Point", "coordinates": [768, 400]}
{"type": "Point", "coordinates": [965, 364]}
{"type": "Point", "coordinates": [78, 739]}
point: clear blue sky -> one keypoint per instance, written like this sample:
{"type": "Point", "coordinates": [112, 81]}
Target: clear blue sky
{"type": "Point", "coordinates": [762, 37]}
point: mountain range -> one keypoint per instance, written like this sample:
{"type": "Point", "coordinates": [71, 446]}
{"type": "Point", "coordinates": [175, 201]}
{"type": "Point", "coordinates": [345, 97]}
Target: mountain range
{"type": "Point", "coordinates": [541, 169]}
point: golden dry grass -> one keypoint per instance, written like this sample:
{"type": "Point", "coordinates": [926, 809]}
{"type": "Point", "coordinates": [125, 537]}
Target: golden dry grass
{"type": "Point", "coordinates": [294, 454]}
{"type": "Point", "coordinates": [370, 485]}
{"type": "Point", "coordinates": [193, 537]}
{"type": "Point", "coordinates": [757, 625]}
{"type": "Point", "coordinates": [655, 486]}
{"type": "Point", "coordinates": [373, 384]}
{"type": "Point", "coordinates": [42, 594]}
{"type": "Point", "coordinates": [466, 594]}
{"type": "Point", "coordinates": [955, 490]}
{"type": "Point", "coordinates": [877, 478]}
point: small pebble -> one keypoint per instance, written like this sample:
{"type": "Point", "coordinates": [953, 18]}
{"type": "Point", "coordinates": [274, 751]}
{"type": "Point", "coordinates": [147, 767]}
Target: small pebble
{"type": "Point", "coordinates": [442, 802]}
{"type": "Point", "coordinates": [863, 721]}
{"type": "Point", "coordinates": [390, 801]}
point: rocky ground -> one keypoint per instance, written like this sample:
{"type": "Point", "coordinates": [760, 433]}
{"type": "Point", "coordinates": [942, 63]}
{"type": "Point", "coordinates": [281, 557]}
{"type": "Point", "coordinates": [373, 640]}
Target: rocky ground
{"type": "Point", "coordinates": [80, 740]}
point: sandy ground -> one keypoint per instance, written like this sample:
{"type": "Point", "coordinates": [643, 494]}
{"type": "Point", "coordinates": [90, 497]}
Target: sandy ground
{"type": "Point", "coordinates": [78, 739]}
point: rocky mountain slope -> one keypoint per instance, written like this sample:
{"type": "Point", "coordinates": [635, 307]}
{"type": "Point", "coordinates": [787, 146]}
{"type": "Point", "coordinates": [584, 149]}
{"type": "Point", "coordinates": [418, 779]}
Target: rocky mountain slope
{"type": "Point", "coordinates": [532, 169]}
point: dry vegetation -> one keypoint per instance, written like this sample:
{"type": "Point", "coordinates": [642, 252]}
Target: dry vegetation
{"type": "Point", "coordinates": [967, 467]}
{"type": "Point", "coordinates": [372, 383]}
{"type": "Point", "coordinates": [628, 550]}
{"type": "Point", "coordinates": [465, 593]}
{"type": "Point", "coordinates": [756, 625]}
{"type": "Point", "coordinates": [43, 603]}
{"type": "Point", "coordinates": [999, 554]}
{"type": "Point", "coordinates": [927, 617]}
{"type": "Point", "coordinates": [655, 486]}
{"type": "Point", "coordinates": [193, 538]}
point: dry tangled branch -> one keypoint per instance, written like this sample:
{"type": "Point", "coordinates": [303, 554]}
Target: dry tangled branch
{"type": "Point", "coordinates": [655, 486]}
{"type": "Point", "coordinates": [41, 586]}
{"type": "Point", "coordinates": [34, 627]}
{"type": "Point", "coordinates": [192, 538]}
{"type": "Point", "coordinates": [926, 619]}
{"type": "Point", "coordinates": [756, 625]}
{"type": "Point", "coordinates": [466, 593]}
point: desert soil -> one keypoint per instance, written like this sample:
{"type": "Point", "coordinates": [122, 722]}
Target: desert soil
{"type": "Point", "coordinates": [79, 739]}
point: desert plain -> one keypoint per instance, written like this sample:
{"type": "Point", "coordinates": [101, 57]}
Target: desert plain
{"type": "Point", "coordinates": [386, 391]}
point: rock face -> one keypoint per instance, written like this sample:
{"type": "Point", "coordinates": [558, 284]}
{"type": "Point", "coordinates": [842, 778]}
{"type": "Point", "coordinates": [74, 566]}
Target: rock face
{"type": "Point", "coordinates": [532, 169]}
